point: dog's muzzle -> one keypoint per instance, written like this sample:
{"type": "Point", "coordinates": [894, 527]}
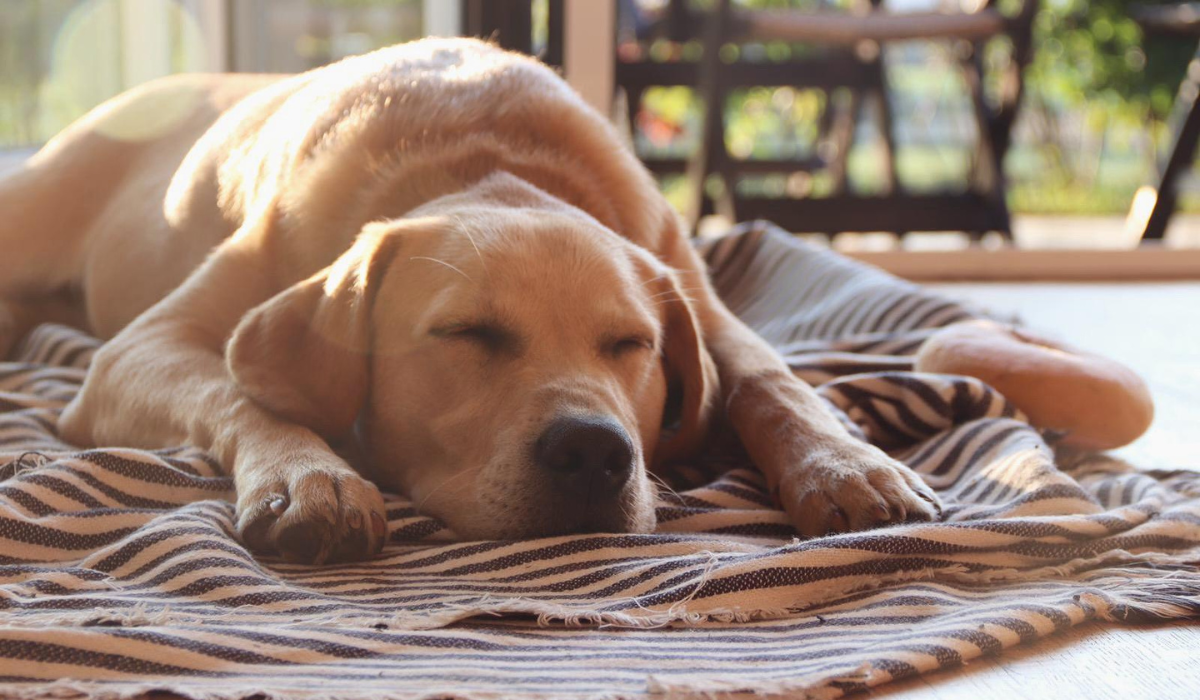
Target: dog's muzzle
{"type": "Point", "coordinates": [588, 460]}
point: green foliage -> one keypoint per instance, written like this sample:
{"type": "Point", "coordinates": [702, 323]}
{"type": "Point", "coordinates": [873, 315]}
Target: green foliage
{"type": "Point", "coordinates": [357, 4]}
{"type": "Point", "coordinates": [1093, 51]}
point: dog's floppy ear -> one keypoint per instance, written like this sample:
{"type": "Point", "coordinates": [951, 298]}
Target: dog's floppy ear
{"type": "Point", "coordinates": [303, 353]}
{"type": "Point", "coordinates": [690, 372]}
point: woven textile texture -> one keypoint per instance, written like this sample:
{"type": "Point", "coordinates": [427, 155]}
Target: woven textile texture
{"type": "Point", "coordinates": [120, 572]}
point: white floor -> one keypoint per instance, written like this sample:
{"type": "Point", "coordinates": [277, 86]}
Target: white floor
{"type": "Point", "coordinates": [1154, 328]}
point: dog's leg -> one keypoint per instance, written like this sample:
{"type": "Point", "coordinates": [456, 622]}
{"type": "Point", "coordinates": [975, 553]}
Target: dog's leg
{"type": "Point", "coordinates": [90, 173]}
{"type": "Point", "coordinates": [825, 479]}
{"type": "Point", "coordinates": [162, 380]}
{"type": "Point", "coordinates": [49, 204]}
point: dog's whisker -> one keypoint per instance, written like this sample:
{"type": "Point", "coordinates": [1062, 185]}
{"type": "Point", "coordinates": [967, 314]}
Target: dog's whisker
{"type": "Point", "coordinates": [444, 483]}
{"type": "Point", "coordinates": [467, 232]}
{"type": "Point", "coordinates": [680, 290]}
{"type": "Point", "coordinates": [624, 511]}
{"type": "Point", "coordinates": [671, 297]}
{"type": "Point", "coordinates": [661, 302]}
{"type": "Point", "coordinates": [683, 290]}
{"type": "Point", "coordinates": [661, 482]}
{"type": "Point", "coordinates": [443, 262]}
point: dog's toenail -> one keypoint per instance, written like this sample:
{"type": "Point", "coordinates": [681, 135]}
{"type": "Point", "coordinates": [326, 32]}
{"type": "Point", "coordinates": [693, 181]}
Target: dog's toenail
{"type": "Point", "coordinates": [278, 505]}
{"type": "Point", "coordinates": [354, 519]}
{"type": "Point", "coordinates": [379, 524]}
{"type": "Point", "coordinates": [882, 512]}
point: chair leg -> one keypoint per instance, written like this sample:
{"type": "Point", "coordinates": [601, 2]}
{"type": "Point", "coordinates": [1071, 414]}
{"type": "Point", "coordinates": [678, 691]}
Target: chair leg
{"type": "Point", "coordinates": [1182, 152]}
{"type": "Point", "coordinates": [712, 129]}
{"type": "Point", "coordinates": [633, 107]}
{"type": "Point", "coordinates": [1012, 79]}
{"type": "Point", "coordinates": [879, 90]}
{"type": "Point", "coordinates": [887, 128]}
{"type": "Point", "coordinates": [841, 136]}
{"type": "Point", "coordinates": [988, 171]}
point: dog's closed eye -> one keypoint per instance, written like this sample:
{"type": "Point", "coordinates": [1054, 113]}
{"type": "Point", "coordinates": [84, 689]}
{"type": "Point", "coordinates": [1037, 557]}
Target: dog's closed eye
{"type": "Point", "coordinates": [489, 336]}
{"type": "Point", "coordinates": [620, 346]}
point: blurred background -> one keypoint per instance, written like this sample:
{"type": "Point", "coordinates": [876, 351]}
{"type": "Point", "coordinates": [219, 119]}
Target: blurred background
{"type": "Point", "coordinates": [1093, 124]}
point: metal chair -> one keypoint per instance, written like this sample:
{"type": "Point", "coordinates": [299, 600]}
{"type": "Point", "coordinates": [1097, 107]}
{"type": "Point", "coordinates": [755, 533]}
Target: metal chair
{"type": "Point", "coordinates": [853, 58]}
{"type": "Point", "coordinates": [1152, 207]}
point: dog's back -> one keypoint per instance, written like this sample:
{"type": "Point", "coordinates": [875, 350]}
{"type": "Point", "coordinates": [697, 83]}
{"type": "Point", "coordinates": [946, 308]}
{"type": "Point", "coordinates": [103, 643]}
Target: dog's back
{"type": "Point", "coordinates": [157, 177]}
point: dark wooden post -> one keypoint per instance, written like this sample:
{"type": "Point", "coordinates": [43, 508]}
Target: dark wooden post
{"type": "Point", "coordinates": [1183, 149]}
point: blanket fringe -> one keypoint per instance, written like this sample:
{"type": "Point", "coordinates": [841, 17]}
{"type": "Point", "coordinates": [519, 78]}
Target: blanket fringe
{"type": "Point", "coordinates": [76, 690]}
{"type": "Point", "coordinates": [1131, 587]}
{"type": "Point", "coordinates": [1127, 595]}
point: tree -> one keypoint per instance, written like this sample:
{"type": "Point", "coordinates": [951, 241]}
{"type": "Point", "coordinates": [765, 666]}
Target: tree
{"type": "Point", "coordinates": [1093, 51]}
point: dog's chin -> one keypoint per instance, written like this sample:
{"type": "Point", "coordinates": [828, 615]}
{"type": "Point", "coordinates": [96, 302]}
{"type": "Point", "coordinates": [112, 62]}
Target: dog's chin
{"type": "Point", "coordinates": [575, 526]}
{"type": "Point", "coordinates": [614, 518]}
{"type": "Point", "coordinates": [501, 507]}
{"type": "Point", "coordinates": [592, 526]}
{"type": "Point", "coordinates": [599, 522]}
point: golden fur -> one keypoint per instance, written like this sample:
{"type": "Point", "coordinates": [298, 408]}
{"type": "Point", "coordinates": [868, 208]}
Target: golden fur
{"type": "Point", "coordinates": [430, 252]}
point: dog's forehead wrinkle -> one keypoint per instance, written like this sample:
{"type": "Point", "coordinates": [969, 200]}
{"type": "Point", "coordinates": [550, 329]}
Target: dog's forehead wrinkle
{"type": "Point", "coordinates": [454, 309]}
{"type": "Point", "coordinates": [562, 270]}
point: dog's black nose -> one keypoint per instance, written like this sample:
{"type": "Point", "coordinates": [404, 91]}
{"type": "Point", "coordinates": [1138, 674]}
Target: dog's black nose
{"type": "Point", "coordinates": [586, 456]}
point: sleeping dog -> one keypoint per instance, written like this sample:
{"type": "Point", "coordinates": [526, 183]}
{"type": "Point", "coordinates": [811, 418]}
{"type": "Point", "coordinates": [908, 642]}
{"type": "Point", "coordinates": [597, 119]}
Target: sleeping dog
{"type": "Point", "coordinates": [435, 252]}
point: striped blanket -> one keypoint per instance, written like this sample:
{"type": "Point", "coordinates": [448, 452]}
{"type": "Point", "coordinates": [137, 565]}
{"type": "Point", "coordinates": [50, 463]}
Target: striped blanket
{"type": "Point", "coordinates": [120, 573]}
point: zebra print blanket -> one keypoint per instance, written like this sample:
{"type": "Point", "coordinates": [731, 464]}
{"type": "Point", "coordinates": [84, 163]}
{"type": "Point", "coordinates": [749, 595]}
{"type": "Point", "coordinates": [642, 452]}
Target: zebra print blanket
{"type": "Point", "coordinates": [120, 574]}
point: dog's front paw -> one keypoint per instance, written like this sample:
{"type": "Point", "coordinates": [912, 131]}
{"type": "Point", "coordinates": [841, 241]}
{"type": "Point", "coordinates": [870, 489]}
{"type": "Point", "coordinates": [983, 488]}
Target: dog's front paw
{"type": "Point", "coordinates": [311, 512]}
{"type": "Point", "coordinates": [854, 488]}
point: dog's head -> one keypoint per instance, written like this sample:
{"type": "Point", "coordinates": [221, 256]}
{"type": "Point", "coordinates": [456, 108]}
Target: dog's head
{"type": "Point", "coordinates": [511, 369]}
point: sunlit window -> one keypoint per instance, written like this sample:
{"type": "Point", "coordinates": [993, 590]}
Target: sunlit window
{"type": "Point", "coordinates": [287, 36]}
{"type": "Point", "coordinates": [60, 58]}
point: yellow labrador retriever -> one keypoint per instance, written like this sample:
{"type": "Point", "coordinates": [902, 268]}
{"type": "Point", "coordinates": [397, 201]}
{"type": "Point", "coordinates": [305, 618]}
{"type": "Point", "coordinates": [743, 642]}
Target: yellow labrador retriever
{"type": "Point", "coordinates": [435, 251]}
